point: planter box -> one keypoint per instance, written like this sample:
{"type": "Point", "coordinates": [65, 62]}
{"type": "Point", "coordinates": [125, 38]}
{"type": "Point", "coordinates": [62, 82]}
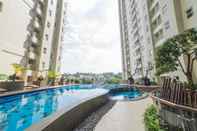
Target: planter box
{"type": "Point", "coordinates": [12, 86]}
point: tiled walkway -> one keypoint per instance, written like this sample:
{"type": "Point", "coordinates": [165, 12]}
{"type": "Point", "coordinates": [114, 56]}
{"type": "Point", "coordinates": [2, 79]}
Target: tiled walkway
{"type": "Point", "coordinates": [124, 116]}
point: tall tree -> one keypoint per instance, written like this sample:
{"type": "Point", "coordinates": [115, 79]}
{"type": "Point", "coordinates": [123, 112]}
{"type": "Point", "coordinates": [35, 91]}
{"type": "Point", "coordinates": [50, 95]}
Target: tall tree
{"type": "Point", "coordinates": [168, 55]}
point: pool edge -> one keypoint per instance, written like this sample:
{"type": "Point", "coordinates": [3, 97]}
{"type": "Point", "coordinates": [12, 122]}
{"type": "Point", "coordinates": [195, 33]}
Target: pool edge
{"type": "Point", "coordinates": [68, 118]}
{"type": "Point", "coordinates": [32, 90]}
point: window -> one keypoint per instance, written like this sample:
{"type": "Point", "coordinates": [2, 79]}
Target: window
{"type": "Point", "coordinates": [47, 37]}
{"type": "Point", "coordinates": [50, 12]}
{"type": "Point", "coordinates": [48, 24]}
{"type": "Point", "coordinates": [164, 9]}
{"type": "Point", "coordinates": [52, 2]}
{"type": "Point", "coordinates": [189, 12]}
{"type": "Point", "coordinates": [167, 25]}
{"type": "Point", "coordinates": [45, 50]}
{"type": "Point", "coordinates": [1, 6]}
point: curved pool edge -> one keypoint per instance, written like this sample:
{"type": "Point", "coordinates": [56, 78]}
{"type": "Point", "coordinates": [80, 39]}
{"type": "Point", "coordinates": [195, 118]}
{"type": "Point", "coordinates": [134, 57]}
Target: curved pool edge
{"type": "Point", "coordinates": [11, 93]}
{"type": "Point", "coordinates": [142, 96]}
{"type": "Point", "coordinates": [69, 118]}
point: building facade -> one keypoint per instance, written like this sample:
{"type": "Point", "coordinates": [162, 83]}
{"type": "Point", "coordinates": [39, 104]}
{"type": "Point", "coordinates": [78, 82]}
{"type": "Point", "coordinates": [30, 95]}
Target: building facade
{"type": "Point", "coordinates": [137, 47]}
{"type": "Point", "coordinates": [14, 18]}
{"type": "Point", "coordinates": [154, 22]}
{"type": "Point", "coordinates": [36, 31]}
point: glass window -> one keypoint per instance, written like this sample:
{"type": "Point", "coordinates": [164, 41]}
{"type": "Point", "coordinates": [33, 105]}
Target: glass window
{"type": "Point", "coordinates": [48, 24]}
{"type": "Point", "coordinates": [167, 25]}
{"type": "Point", "coordinates": [52, 2]}
{"type": "Point", "coordinates": [47, 37]}
{"type": "Point", "coordinates": [50, 12]}
{"type": "Point", "coordinates": [45, 50]}
{"type": "Point", "coordinates": [189, 12]}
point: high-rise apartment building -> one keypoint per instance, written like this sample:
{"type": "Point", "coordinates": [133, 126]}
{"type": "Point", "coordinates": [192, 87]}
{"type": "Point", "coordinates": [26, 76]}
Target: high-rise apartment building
{"type": "Point", "coordinates": [33, 30]}
{"type": "Point", "coordinates": [58, 37]}
{"type": "Point", "coordinates": [154, 21]}
{"type": "Point", "coordinates": [137, 47]}
{"type": "Point", "coordinates": [14, 18]}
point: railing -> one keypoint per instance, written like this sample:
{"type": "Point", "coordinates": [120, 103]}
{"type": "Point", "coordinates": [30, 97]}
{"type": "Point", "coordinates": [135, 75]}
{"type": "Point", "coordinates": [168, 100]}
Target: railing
{"type": "Point", "coordinates": [177, 105]}
{"type": "Point", "coordinates": [178, 93]}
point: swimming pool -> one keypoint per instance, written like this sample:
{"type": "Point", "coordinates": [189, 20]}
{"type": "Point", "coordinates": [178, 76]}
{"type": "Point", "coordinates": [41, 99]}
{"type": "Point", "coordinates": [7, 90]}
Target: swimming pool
{"type": "Point", "coordinates": [125, 94]}
{"type": "Point", "coordinates": [19, 112]}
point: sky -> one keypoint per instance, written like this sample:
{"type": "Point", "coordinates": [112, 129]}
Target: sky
{"type": "Point", "coordinates": [92, 38]}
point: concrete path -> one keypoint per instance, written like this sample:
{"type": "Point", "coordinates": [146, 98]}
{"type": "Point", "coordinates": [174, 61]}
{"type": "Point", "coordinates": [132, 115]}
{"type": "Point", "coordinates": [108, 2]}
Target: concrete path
{"type": "Point", "coordinates": [124, 116]}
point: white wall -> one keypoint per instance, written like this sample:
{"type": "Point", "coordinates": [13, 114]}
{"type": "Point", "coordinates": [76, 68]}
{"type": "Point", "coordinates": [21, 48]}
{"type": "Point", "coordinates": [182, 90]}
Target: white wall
{"type": "Point", "coordinates": [14, 19]}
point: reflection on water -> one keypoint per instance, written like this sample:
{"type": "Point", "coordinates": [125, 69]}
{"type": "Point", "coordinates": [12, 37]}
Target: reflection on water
{"type": "Point", "coordinates": [19, 112]}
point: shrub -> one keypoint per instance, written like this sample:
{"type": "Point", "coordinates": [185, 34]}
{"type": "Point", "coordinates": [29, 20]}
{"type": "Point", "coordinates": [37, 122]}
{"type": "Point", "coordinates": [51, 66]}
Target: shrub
{"type": "Point", "coordinates": [151, 119]}
{"type": "Point", "coordinates": [3, 77]}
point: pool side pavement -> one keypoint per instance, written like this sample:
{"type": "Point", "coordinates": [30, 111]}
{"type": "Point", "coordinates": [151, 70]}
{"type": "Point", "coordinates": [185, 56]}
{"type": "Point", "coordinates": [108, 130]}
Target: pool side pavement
{"type": "Point", "coordinates": [125, 116]}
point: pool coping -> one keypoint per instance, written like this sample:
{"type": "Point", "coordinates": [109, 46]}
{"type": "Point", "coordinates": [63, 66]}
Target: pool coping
{"type": "Point", "coordinates": [11, 93]}
{"type": "Point", "coordinates": [49, 120]}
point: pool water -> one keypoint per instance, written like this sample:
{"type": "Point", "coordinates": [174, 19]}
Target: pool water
{"type": "Point", "coordinates": [126, 95]}
{"type": "Point", "coordinates": [21, 111]}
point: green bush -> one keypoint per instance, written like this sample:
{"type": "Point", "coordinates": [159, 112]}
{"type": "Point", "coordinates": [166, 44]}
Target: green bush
{"type": "Point", "coordinates": [153, 83]}
{"type": "Point", "coordinates": [3, 77]}
{"type": "Point", "coordinates": [151, 119]}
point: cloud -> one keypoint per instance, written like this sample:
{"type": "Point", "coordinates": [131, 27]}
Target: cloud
{"type": "Point", "coordinates": [92, 43]}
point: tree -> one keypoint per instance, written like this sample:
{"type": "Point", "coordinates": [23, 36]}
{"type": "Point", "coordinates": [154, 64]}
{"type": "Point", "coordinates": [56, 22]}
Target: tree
{"type": "Point", "coordinates": [168, 55]}
{"type": "Point", "coordinates": [52, 75]}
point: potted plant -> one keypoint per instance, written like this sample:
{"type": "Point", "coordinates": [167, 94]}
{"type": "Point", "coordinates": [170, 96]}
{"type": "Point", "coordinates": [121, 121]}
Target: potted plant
{"type": "Point", "coordinates": [52, 75]}
{"type": "Point", "coordinates": [18, 72]}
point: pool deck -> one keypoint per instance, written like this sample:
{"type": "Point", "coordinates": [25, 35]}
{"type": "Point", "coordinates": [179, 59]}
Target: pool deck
{"type": "Point", "coordinates": [124, 116]}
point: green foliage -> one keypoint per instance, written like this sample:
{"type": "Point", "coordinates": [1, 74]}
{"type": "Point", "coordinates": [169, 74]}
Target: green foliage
{"type": "Point", "coordinates": [168, 55]}
{"type": "Point", "coordinates": [76, 81]}
{"type": "Point", "coordinates": [3, 77]}
{"type": "Point", "coordinates": [166, 59]}
{"type": "Point", "coordinates": [18, 68]}
{"type": "Point", "coordinates": [53, 75]}
{"type": "Point", "coordinates": [153, 83]}
{"type": "Point", "coordinates": [151, 119]}
{"type": "Point", "coordinates": [86, 81]}
{"type": "Point", "coordinates": [114, 80]}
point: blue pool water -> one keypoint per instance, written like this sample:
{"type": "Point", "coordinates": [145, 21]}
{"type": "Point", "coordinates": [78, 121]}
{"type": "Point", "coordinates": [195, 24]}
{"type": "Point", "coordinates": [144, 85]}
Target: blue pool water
{"type": "Point", "coordinates": [21, 111]}
{"type": "Point", "coordinates": [125, 95]}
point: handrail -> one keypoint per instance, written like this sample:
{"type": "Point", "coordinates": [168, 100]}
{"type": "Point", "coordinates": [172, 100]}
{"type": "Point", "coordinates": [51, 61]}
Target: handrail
{"type": "Point", "coordinates": [176, 106]}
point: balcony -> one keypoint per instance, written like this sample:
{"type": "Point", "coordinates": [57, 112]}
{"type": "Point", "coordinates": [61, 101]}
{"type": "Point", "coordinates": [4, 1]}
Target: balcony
{"type": "Point", "coordinates": [39, 11]}
{"type": "Point", "coordinates": [37, 25]}
{"type": "Point", "coordinates": [152, 4]}
{"type": "Point", "coordinates": [41, 2]}
{"type": "Point", "coordinates": [34, 39]}
{"type": "Point", "coordinates": [32, 55]}
{"type": "Point", "coordinates": [156, 23]}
